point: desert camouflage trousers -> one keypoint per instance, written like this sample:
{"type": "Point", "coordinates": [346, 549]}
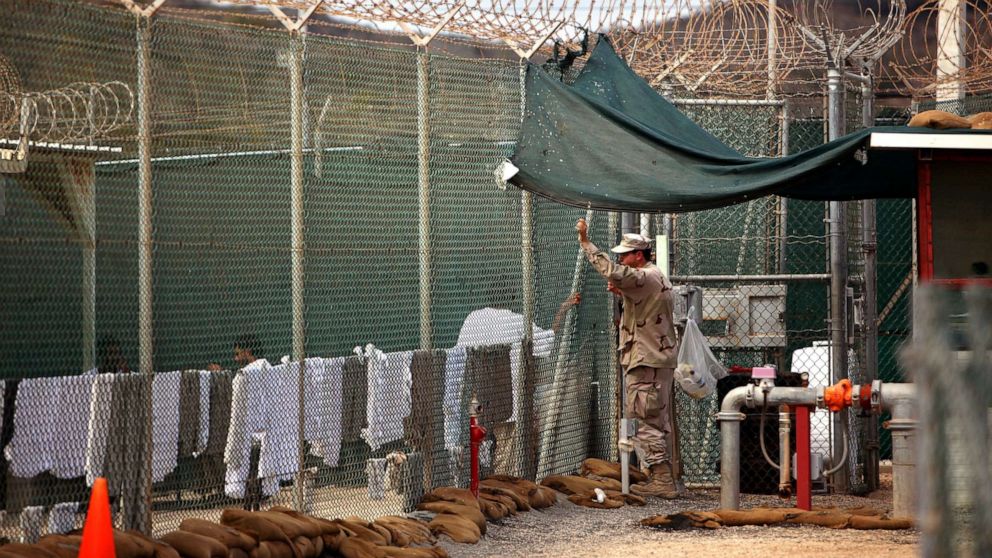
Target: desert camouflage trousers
{"type": "Point", "coordinates": [650, 401]}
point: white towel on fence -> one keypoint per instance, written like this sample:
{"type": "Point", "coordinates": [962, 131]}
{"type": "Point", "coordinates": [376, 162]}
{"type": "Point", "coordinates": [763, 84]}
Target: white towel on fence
{"type": "Point", "coordinates": [312, 403]}
{"type": "Point", "coordinates": [279, 458]}
{"type": "Point", "coordinates": [70, 425]}
{"type": "Point", "coordinates": [29, 451]}
{"type": "Point", "coordinates": [326, 442]}
{"type": "Point", "coordinates": [96, 433]}
{"type": "Point", "coordinates": [388, 401]}
{"type": "Point", "coordinates": [247, 407]}
{"type": "Point", "coordinates": [454, 379]}
{"type": "Point", "coordinates": [165, 423]}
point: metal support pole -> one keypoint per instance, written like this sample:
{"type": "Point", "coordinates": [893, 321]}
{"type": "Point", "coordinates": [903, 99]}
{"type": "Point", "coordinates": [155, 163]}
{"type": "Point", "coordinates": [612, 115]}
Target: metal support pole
{"type": "Point", "coordinates": [612, 315]}
{"type": "Point", "coordinates": [629, 223]}
{"type": "Point", "coordinates": [783, 203]}
{"type": "Point", "coordinates": [950, 52]}
{"type": "Point", "coordinates": [869, 245]}
{"type": "Point", "coordinates": [424, 197]}
{"type": "Point", "coordinates": [838, 270]}
{"type": "Point", "coordinates": [145, 248]}
{"type": "Point", "coordinates": [296, 110]}
{"type": "Point", "coordinates": [804, 498]}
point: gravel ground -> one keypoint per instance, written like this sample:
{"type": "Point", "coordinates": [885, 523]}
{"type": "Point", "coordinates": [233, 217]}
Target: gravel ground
{"type": "Point", "coordinates": [570, 530]}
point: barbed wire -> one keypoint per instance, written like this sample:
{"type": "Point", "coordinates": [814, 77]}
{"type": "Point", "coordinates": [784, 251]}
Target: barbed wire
{"type": "Point", "coordinates": [82, 111]}
{"type": "Point", "coordinates": [915, 70]}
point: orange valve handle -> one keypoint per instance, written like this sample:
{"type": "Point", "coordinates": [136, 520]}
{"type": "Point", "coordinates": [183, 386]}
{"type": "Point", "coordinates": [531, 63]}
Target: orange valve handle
{"type": "Point", "coordinates": [838, 396]}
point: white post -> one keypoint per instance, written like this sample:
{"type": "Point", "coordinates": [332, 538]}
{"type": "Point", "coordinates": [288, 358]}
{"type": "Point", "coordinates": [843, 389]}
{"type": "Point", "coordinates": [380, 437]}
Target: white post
{"type": "Point", "coordinates": [950, 50]}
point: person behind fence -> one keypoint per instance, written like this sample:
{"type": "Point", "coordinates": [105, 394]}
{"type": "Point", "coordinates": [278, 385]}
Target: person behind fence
{"type": "Point", "coordinates": [647, 349]}
{"type": "Point", "coordinates": [246, 347]}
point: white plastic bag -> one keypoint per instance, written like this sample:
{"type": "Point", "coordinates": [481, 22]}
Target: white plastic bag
{"type": "Point", "coordinates": [697, 370]}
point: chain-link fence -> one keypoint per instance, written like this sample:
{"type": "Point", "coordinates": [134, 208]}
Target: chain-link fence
{"type": "Point", "coordinates": [204, 196]}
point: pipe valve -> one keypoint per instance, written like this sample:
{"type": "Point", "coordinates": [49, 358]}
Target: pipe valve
{"type": "Point", "coordinates": [838, 396]}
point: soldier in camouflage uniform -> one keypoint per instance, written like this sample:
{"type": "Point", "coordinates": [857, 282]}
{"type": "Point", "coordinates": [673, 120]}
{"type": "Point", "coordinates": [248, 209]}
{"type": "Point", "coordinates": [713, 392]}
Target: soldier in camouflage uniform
{"type": "Point", "coordinates": [647, 349]}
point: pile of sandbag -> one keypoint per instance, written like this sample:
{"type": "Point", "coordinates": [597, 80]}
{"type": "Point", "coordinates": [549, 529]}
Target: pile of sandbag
{"type": "Point", "coordinates": [942, 120]}
{"type": "Point", "coordinates": [462, 517]}
{"type": "Point", "coordinates": [275, 533]}
{"type": "Point", "coordinates": [834, 518]}
{"type": "Point", "coordinates": [597, 485]}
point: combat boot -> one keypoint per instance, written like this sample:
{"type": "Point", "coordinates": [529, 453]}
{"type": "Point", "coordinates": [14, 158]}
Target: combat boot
{"type": "Point", "coordinates": [661, 483]}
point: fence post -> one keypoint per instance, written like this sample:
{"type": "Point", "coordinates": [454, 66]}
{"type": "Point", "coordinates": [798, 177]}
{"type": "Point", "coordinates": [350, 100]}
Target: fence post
{"type": "Point", "coordinates": [838, 267]}
{"type": "Point", "coordinates": [145, 239]}
{"type": "Point", "coordinates": [424, 196]}
{"type": "Point", "coordinates": [869, 245]}
{"type": "Point", "coordinates": [298, 243]}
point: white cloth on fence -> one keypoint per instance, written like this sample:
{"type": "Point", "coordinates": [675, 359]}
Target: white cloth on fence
{"type": "Point", "coordinates": [204, 433]}
{"type": "Point", "coordinates": [495, 326]}
{"type": "Point", "coordinates": [327, 395]}
{"type": "Point", "coordinates": [375, 471]}
{"type": "Point", "coordinates": [96, 433]}
{"type": "Point", "coordinates": [313, 406]}
{"type": "Point", "coordinates": [388, 401]}
{"type": "Point", "coordinates": [70, 423]}
{"type": "Point", "coordinates": [247, 412]}
{"type": "Point", "coordinates": [29, 450]}
{"type": "Point", "coordinates": [165, 423]}
{"type": "Point", "coordinates": [454, 378]}
{"type": "Point", "coordinates": [279, 457]}
{"type": "Point", "coordinates": [62, 518]}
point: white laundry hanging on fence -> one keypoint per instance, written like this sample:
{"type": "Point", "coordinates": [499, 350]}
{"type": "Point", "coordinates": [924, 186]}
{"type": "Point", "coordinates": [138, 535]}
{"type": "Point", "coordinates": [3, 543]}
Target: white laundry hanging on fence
{"type": "Point", "coordinates": [454, 379]}
{"type": "Point", "coordinates": [29, 451]}
{"type": "Point", "coordinates": [252, 404]}
{"type": "Point", "coordinates": [165, 423]}
{"type": "Point", "coordinates": [328, 392]}
{"type": "Point", "coordinates": [388, 401]}
{"type": "Point", "coordinates": [101, 402]}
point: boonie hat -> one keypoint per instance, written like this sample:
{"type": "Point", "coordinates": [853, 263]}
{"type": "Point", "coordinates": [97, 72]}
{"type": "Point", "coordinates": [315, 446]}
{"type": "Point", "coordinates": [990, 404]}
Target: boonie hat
{"type": "Point", "coordinates": [631, 242]}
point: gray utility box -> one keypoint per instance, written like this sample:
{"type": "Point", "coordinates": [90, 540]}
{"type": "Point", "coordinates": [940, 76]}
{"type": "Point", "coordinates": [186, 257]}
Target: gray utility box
{"type": "Point", "coordinates": [746, 316]}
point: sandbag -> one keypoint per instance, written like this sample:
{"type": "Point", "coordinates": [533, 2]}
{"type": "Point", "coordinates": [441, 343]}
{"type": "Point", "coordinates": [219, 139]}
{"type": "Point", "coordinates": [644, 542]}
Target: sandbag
{"type": "Point", "coordinates": [19, 550]}
{"type": "Point", "coordinates": [228, 536]}
{"type": "Point", "coordinates": [589, 500]}
{"type": "Point", "coordinates": [520, 501]}
{"type": "Point", "coordinates": [870, 522]}
{"type": "Point", "coordinates": [456, 528]}
{"type": "Point", "coordinates": [402, 527]}
{"type": "Point", "coordinates": [279, 549]}
{"type": "Point", "coordinates": [470, 513]}
{"type": "Point", "coordinates": [358, 548]}
{"type": "Point", "coordinates": [64, 546]}
{"type": "Point", "coordinates": [568, 484]}
{"type": "Point", "coordinates": [191, 545]}
{"type": "Point", "coordinates": [981, 121]}
{"type": "Point", "coordinates": [939, 120]}
{"type": "Point", "coordinates": [684, 520]}
{"type": "Point", "coordinates": [398, 552]}
{"type": "Point", "coordinates": [756, 516]}
{"type": "Point", "coordinates": [355, 529]}
{"type": "Point", "coordinates": [450, 494]}
{"type": "Point", "coordinates": [610, 470]}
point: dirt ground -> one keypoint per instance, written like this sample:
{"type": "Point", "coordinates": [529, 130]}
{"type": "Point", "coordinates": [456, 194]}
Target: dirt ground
{"type": "Point", "coordinates": [570, 530]}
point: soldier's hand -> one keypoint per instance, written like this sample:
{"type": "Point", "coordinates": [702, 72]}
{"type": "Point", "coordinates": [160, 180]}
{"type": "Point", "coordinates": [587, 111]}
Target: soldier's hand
{"type": "Point", "coordinates": [613, 288]}
{"type": "Point", "coordinates": [583, 229]}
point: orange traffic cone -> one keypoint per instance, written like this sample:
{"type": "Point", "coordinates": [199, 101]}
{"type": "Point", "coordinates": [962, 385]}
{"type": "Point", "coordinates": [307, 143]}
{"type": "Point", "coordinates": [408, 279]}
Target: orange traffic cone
{"type": "Point", "coordinates": [98, 531]}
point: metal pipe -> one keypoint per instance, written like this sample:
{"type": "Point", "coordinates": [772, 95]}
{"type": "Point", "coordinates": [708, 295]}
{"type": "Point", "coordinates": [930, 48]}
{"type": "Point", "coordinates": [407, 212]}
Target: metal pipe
{"type": "Point", "coordinates": [783, 202]}
{"type": "Point", "coordinates": [296, 112]}
{"type": "Point", "coordinates": [730, 102]}
{"type": "Point", "coordinates": [784, 452]}
{"type": "Point", "coordinates": [869, 246]}
{"type": "Point", "coordinates": [745, 278]}
{"type": "Point", "coordinates": [424, 197]}
{"type": "Point", "coordinates": [145, 251]}
{"type": "Point", "coordinates": [838, 266]}
{"type": "Point", "coordinates": [730, 418]}
{"type": "Point", "coordinates": [900, 401]}
{"type": "Point", "coordinates": [629, 223]}
{"type": "Point", "coordinates": [522, 432]}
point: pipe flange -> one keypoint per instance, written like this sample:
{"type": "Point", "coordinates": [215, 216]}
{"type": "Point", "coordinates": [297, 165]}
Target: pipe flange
{"type": "Point", "coordinates": [735, 416]}
{"type": "Point", "coordinates": [897, 425]}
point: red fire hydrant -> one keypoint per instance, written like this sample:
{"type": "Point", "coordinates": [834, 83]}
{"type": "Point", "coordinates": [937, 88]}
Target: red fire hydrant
{"type": "Point", "coordinates": [476, 433]}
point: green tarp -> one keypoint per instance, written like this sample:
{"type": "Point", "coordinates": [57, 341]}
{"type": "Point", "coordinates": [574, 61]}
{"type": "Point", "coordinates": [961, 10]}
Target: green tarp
{"type": "Point", "coordinates": [609, 141]}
